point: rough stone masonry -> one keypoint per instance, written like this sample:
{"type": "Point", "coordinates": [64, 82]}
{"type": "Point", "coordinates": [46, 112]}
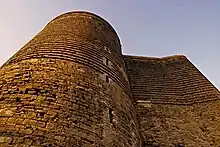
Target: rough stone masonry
{"type": "Point", "coordinates": [71, 86]}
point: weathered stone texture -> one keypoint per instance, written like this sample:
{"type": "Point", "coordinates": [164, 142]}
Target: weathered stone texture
{"type": "Point", "coordinates": [166, 125]}
{"type": "Point", "coordinates": [169, 80]}
{"type": "Point", "coordinates": [71, 86]}
{"type": "Point", "coordinates": [68, 86]}
{"type": "Point", "coordinates": [176, 105]}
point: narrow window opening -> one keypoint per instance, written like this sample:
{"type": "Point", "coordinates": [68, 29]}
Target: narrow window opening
{"type": "Point", "coordinates": [26, 91]}
{"type": "Point", "coordinates": [110, 115]}
{"type": "Point", "coordinates": [107, 79]}
{"type": "Point", "coordinates": [105, 48]}
{"type": "Point", "coordinates": [18, 99]}
{"type": "Point", "coordinates": [107, 62]}
{"type": "Point", "coordinates": [108, 50]}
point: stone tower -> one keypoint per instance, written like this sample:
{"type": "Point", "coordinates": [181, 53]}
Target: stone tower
{"type": "Point", "coordinates": [71, 86]}
{"type": "Point", "coordinates": [68, 86]}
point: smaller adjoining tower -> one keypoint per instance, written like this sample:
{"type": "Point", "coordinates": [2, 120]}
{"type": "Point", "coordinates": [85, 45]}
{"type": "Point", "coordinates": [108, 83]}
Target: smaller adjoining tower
{"type": "Point", "coordinates": [68, 86]}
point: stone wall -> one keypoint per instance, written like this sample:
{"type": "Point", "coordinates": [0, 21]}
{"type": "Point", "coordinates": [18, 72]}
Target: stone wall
{"type": "Point", "coordinates": [68, 86]}
{"type": "Point", "coordinates": [168, 80]}
{"type": "Point", "coordinates": [166, 125]}
{"type": "Point", "coordinates": [176, 105]}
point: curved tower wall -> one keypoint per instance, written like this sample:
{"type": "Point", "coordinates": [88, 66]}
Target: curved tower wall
{"type": "Point", "coordinates": [68, 86]}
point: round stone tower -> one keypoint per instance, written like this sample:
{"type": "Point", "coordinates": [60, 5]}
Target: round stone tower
{"type": "Point", "coordinates": [68, 86]}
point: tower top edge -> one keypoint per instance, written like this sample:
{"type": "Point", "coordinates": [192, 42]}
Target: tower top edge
{"type": "Point", "coordinates": [158, 59]}
{"type": "Point", "coordinates": [89, 14]}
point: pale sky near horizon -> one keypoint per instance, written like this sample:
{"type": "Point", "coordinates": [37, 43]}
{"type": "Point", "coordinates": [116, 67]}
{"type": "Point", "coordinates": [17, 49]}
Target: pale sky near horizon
{"type": "Point", "coordinates": [145, 27]}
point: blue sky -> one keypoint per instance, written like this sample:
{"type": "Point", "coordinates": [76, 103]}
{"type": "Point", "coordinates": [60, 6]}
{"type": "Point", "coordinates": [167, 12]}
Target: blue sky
{"type": "Point", "coordinates": [145, 27]}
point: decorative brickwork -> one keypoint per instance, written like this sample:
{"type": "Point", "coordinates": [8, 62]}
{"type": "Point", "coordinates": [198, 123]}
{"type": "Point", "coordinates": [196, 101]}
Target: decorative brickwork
{"type": "Point", "coordinates": [71, 86]}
